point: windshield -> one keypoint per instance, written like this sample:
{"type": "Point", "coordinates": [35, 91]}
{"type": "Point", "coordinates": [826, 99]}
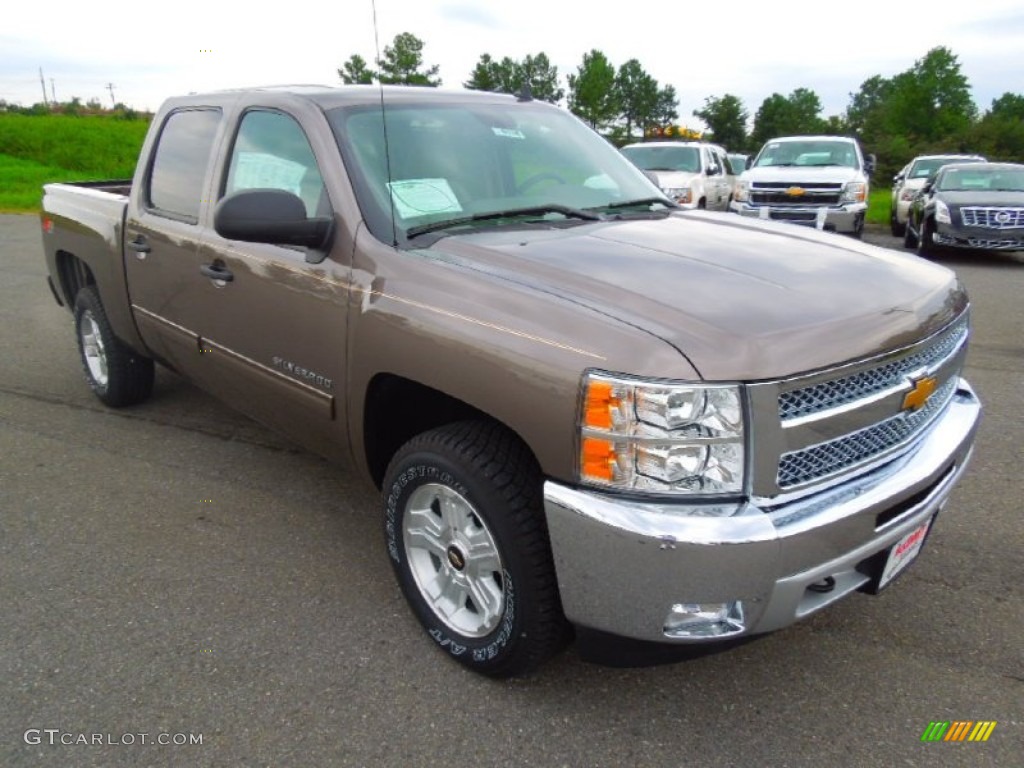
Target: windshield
{"type": "Point", "coordinates": [986, 179]}
{"type": "Point", "coordinates": [664, 158]}
{"type": "Point", "coordinates": [927, 166]}
{"type": "Point", "coordinates": [807, 153]}
{"type": "Point", "coordinates": [466, 162]}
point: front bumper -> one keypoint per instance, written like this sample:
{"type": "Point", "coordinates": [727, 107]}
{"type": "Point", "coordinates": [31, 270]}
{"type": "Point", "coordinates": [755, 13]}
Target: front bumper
{"type": "Point", "coordinates": [622, 564]}
{"type": "Point", "coordinates": [845, 218]}
{"type": "Point", "coordinates": [950, 236]}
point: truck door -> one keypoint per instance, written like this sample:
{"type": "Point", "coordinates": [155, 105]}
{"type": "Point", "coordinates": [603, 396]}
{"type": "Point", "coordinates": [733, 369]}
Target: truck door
{"type": "Point", "coordinates": [271, 324]}
{"type": "Point", "coordinates": [162, 232]}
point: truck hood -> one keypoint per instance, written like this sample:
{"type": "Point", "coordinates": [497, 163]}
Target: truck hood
{"type": "Point", "coordinates": [741, 299]}
{"type": "Point", "coordinates": [828, 174]}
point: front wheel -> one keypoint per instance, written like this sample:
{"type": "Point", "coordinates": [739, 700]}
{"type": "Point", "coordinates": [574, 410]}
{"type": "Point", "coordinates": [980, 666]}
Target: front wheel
{"type": "Point", "coordinates": [926, 247]}
{"type": "Point", "coordinates": [117, 375]}
{"type": "Point", "coordinates": [465, 531]}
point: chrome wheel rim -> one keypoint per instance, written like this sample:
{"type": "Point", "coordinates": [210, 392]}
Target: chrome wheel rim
{"type": "Point", "coordinates": [93, 350]}
{"type": "Point", "coordinates": [454, 560]}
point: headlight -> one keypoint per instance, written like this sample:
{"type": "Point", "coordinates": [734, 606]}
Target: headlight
{"type": "Point", "coordinates": [942, 213]}
{"type": "Point", "coordinates": [741, 192]}
{"type": "Point", "coordinates": [679, 194]}
{"type": "Point", "coordinates": [854, 192]}
{"type": "Point", "coordinates": [661, 437]}
{"type": "Point", "coordinates": [908, 194]}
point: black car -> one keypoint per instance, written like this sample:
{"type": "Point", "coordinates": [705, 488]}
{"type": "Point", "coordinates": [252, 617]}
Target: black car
{"type": "Point", "coordinates": [969, 205]}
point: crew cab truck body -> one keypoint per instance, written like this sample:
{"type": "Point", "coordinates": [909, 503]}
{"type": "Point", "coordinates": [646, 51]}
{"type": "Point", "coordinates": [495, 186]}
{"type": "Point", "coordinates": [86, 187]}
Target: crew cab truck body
{"type": "Point", "coordinates": [818, 181]}
{"type": "Point", "coordinates": [583, 406]}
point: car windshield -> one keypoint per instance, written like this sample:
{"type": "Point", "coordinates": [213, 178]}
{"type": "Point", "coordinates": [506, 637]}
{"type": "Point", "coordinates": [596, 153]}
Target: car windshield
{"type": "Point", "coordinates": [481, 164]}
{"type": "Point", "coordinates": [981, 179]}
{"type": "Point", "coordinates": [807, 153]}
{"type": "Point", "coordinates": [664, 158]}
{"type": "Point", "coordinates": [927, 166]}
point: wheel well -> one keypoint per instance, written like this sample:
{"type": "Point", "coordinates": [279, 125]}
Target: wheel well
{"type": "Point", "coordinates": [73, 274]}
{"type": "Point", "coordinates": [397, 410]}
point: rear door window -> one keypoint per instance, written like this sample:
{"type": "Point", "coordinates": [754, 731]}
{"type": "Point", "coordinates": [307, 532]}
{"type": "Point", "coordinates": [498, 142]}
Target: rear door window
{"type": "Point", "coordinates": [176, 178]}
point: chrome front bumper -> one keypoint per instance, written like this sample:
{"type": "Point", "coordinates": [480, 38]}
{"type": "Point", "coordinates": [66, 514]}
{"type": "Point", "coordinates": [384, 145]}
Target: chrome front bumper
{"type": "Point", "coordinates": [846, 218]}
{"type": "Point", "coordinates": [622, 565]}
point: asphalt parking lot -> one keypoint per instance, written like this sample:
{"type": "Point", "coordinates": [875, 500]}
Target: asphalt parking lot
{"type": "Point", "coordinates": [177, 571]}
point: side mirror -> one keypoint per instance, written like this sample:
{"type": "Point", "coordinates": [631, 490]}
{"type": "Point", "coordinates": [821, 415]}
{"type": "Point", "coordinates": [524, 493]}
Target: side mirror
{"type": "Point", "coordinates": [869, 164]}
{"type": "Point", "coordinates": [897, 178]}
{"type": "Point", "coordinates": [713, 170]}
{"type": "Point", "coordinates": [271, 216]}
{"type": "Point", "coordinates": [927, 187]}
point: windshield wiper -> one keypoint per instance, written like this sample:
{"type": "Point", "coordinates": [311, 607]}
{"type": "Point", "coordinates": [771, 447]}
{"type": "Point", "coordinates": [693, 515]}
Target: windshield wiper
{"type": "Point", "coordinates": [648, 201]}
{"type": "Point", "coordinates": [537, 210]}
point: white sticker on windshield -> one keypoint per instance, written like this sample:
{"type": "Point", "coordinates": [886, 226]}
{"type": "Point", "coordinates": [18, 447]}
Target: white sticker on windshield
{"type": "Point", "coordinates": [421, 197]}
{"type": "Point", "coordinates": [508, 133]}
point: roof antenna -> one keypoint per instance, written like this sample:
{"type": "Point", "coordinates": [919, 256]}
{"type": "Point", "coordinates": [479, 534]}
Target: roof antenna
{"type": "Point", "coordinates": [525, 93]}
{"type": "Point", "coordinates": [384, 128]}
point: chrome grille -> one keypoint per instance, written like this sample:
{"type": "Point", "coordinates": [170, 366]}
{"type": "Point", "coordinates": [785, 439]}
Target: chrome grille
{"type": "Point", "coordinates": [824, 459]}
{"type": "Point", "coordinates": [826, 395]}
{"type": "Point", "coordinates": [992, 218]}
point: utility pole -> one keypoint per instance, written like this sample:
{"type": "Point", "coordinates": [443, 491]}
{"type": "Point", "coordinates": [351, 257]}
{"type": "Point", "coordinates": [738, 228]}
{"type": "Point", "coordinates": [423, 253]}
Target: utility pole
{"type": "Point", "coordinates": [110, 87]}
{"type": "Point", "coordinates": [42, 82]}
{"type": "Point", "coordinates": [53, 91]}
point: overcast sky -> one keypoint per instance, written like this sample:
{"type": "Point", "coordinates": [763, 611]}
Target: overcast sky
{"type": "Point", "coordinates": [150, 51]}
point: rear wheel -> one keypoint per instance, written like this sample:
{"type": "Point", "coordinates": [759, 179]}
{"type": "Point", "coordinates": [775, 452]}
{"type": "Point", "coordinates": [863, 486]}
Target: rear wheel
{"type": "Point", "coordinates": [465, 530]}
{"type": "Point", "coordinates": [115, 373]}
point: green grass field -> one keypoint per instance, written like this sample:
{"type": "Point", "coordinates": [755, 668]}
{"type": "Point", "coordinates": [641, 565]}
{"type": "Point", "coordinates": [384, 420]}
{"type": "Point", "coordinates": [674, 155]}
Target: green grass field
{"type": "Point", "coordinates": [879, 200]}
{"type": "Point", "coordinates": [38, 149]}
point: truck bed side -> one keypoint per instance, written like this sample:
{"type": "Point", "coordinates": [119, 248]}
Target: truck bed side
{"type": "Point", "coordinates": [83, 234]}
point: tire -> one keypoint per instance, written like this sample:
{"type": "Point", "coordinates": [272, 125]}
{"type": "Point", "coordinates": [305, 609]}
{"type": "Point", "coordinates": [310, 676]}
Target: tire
{"type": "Point", "coordinates": [909, 238]}
{"type": "Point", "coordinates": [117, 375]}
{"type": "Point", "coordinates": [702, 204]}
{"type": "Point", "coordinates": [926, 247]}
{"type": "Point", "coordinates": [897, 229]}
{"type": "Point", "coordinates": [473, 486]}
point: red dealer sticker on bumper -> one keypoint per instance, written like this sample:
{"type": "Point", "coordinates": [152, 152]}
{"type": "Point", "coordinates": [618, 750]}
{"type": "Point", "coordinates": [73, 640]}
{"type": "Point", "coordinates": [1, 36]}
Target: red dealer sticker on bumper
{"type": "Point", "coordinates": [903, 553]}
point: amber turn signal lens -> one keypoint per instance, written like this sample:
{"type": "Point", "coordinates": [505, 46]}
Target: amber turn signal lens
{"type": "Point", "coordinates": [598, 459]}
{"type": "Point", "coordinates": [601, 400]}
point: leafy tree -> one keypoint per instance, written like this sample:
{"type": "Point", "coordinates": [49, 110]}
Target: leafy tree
{"type": "Point", "coordinates": [508, 76]}
{"type": "Point", "coordinates": [637, 96]}
{"type": "Point", "coordinates": [355, 71]}
{"type": "Point", "coordinates": [1000, 132]}
{"type": "Point", "coordinates": [592, 90]}
{"type": "Point", "coordinates": [796, 114]}
{"type": "Point", "coordinates": [726, 118]}
{"type": "Point", "coordinates": [402, 62]}
{"type": "Point", "coordinates": [542, 76]}
{"type": "Point", "coordinates": [666, 110]}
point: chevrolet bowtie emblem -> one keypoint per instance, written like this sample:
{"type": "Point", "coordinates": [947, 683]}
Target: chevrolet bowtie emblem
{"type": "Point", "coordinates": [795, 191]}
{"type": "Point", "coordinates": [918, 396]}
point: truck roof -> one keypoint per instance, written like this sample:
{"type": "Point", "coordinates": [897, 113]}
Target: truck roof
{"type": "Point", "coordinates": [351, 95]}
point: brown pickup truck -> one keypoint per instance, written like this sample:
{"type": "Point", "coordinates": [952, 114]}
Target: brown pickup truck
{"type": "Point", "coordinates": [585, 408]}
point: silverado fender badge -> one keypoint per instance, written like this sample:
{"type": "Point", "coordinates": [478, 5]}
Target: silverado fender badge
{"type": "Point", "coordinates": [918, 396]}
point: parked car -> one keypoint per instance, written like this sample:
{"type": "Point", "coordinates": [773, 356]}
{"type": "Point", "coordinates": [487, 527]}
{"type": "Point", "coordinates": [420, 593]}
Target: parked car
{"type": "Point", "coordinates": [969, 205]}
{"type": "Point", "coordinates": [818, 181]}
{"type": "Point", "coordinates": [739, 162]}
{"type": "Point", "coordinates": [908, 182]}
{"type": "Point", "coordinates": [581, 405]}
{"type": "Point", "coordinates": [693, 173]}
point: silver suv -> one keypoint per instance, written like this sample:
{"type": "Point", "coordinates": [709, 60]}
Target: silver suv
{"type": "Point", "coordinates": [818, 181]}
{"type": "Point", "coordinates": [908, 182]}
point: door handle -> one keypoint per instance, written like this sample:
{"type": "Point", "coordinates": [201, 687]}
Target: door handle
{"type": "Point", "coordinates": [217, 272]}
{"type": "Point", "coordinates": [139, 244]}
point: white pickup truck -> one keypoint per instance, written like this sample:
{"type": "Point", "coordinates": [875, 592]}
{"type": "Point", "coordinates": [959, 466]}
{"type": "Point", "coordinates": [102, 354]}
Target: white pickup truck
{"type": "Point", "coordinates": [818, 181]}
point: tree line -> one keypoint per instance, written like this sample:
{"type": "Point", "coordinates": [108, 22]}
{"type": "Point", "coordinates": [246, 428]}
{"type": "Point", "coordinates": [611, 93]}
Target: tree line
{"type": "Point", "coordinates": [925, 109]}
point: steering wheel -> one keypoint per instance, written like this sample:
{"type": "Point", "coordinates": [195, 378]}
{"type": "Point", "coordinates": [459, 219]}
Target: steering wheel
{"type": "Point", "coordinates": [537, 178]}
